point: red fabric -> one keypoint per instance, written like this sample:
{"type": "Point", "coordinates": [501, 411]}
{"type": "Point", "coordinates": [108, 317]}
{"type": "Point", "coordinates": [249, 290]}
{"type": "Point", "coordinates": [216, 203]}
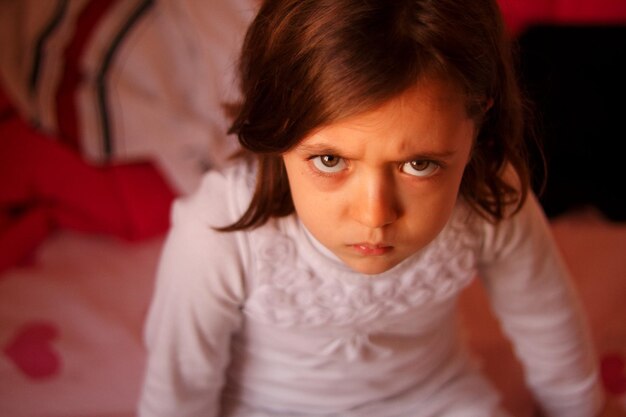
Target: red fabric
{"type": "Point", "coordinates": [519, 14]}
{"type": "Point", "coordinates": [613, 373]}
{"type": "Point", "coordinates": [45, 185]}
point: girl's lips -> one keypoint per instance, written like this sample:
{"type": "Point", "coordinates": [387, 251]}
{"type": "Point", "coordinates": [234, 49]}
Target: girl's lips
{"type": "Point", "coordinates": [367, 249]}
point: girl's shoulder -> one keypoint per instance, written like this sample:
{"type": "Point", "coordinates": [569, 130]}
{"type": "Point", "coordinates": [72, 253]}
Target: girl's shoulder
{"type": "Point", "coordinates": [195, 248]}
{"type": "Point", "coordinates": [221, 198]}
{"type": "Point", "coordinates": [519, 232]}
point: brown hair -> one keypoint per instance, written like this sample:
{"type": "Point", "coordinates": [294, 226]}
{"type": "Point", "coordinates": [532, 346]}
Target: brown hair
{"type": "Point", "coordinates": [309, 63]}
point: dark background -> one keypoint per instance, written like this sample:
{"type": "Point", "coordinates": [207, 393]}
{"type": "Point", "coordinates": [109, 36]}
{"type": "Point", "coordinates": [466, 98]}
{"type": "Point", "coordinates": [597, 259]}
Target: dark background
{"type": "Point", "coordinates": [576, 78]}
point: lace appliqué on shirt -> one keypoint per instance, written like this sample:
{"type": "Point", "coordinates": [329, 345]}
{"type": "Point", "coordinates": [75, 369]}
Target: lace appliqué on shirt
{"type": "Point", "coordinates": [286, 292]}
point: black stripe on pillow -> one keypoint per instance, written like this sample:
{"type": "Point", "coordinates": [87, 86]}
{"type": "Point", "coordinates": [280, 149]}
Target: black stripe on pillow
{"type": "Point", "coordinates": [142, 8]}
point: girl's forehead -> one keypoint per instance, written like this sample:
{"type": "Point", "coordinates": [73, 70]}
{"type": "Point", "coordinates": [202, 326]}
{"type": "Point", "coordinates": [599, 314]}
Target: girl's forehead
{"type": "Point", "coordinates": [429, 94]}
{"type": "Point", "coordinates": [429, 119]}
{"type": "Point", "coordinates": [433, 91]}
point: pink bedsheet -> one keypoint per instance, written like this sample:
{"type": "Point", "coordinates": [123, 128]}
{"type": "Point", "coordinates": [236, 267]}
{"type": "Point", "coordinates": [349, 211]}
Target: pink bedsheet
{"type": "Point", "coordinates": [71, 327]}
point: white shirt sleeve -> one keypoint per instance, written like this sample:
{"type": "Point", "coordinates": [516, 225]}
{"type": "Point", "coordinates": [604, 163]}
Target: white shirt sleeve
{"type": "Point", "coordinates": [532, 294]}
{"type": "Point", "coordinates": [195, 309]}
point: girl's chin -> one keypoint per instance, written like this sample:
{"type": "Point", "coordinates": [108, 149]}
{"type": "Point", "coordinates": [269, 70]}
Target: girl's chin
{"type": "Point", "coordinates": [371, 265]}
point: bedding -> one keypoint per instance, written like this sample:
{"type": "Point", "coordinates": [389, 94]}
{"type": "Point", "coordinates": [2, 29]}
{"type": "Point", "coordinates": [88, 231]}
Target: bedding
{"type": "Point", "coordinates": [71, 327]}
{"type": "Point", "coordinates": [114, 108]}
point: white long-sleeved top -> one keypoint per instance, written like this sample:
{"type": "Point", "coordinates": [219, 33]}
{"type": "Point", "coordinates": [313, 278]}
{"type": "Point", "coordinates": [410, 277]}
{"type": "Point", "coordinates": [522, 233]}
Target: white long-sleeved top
{"type": "Point", "coordinates": [268, 322]}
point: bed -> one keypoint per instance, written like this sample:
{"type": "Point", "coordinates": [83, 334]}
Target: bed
{"type": "Point", "coordinates": [78, 252]}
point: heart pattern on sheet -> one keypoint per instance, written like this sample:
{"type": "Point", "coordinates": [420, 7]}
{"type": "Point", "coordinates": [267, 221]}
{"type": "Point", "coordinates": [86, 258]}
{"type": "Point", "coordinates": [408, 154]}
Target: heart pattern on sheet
{"type": "Point", "coordinates": [31, 349]}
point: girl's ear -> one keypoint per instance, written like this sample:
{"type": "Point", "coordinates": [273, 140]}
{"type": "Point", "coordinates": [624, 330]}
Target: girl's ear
{"type": "Point", "coordinates": [487, 105]}
{"type": "Point", "coordinates": [479, 106]}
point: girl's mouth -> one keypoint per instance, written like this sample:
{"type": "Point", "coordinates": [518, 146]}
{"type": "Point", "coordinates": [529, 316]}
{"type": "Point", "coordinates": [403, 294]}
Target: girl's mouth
{"type": "Point", "coordinates": [369, 249]}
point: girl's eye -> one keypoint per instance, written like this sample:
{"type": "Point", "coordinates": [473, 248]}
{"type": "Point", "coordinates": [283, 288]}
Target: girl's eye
{"type": "Point", "coordinates": [329, 164]}
{"type": "Point", "coordinates": [420, 168]}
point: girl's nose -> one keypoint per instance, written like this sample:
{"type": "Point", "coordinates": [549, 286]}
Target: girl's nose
{"type": "Point", "coordinates": [375, 204]}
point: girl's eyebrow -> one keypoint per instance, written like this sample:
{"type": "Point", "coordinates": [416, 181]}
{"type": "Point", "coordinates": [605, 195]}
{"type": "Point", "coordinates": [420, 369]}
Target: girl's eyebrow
{"type": "Point", "coordinates": [318, 149]}
{"type": "Point", "coordinates": [327, 149]}
{"type": "Point", "coordinates": [431, 155]}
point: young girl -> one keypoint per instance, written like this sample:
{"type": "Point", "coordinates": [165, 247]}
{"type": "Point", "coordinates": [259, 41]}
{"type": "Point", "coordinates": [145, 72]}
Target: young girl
{"type": "Point", "coordinates": [322, 278]}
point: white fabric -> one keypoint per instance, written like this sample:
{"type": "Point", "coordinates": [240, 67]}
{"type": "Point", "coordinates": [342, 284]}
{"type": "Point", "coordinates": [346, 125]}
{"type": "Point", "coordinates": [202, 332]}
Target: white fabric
{"type": "Point", "coordinates": [269, 323]}
{"type": "Point", "coordinates": [171, 72]}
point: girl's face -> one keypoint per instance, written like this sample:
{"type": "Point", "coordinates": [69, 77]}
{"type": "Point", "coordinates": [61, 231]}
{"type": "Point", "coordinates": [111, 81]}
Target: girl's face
{"type": "Point", "coordinates": [377, 187]}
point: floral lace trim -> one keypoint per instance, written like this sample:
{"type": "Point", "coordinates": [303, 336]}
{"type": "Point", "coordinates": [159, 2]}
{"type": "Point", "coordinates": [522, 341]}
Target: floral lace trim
{"type": "Point", "coordinates": [287, 292]}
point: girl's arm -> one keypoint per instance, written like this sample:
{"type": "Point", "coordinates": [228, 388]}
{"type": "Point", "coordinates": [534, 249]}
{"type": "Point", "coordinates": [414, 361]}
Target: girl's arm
{"type": "Point", "coordinates": [195, 310]}
{"type": "Point", "coordinates": [531, 292]}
